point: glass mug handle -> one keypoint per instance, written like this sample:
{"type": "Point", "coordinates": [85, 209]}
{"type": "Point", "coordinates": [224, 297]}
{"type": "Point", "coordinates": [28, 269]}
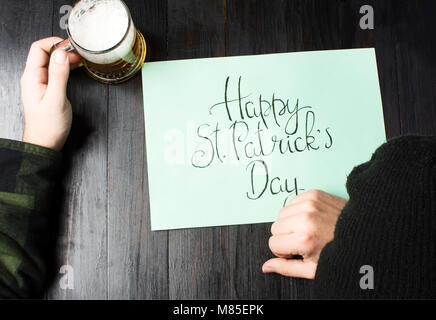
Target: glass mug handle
{"type": "Point", "coordinates": [66, 46]}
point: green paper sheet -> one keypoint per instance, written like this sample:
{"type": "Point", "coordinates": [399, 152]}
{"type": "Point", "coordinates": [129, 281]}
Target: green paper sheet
{"type": "Point", "coordinates": [232, 140]}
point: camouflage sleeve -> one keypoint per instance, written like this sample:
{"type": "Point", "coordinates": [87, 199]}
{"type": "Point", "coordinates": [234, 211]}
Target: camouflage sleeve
{"type": "Point", "coordinates": [27, 177]}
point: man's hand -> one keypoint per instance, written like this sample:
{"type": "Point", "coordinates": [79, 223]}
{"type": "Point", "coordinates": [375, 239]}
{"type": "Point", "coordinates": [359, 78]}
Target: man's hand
{"type": "Point", "coordinates": [302, 229]}
{"type": "Point", "coordinates": [47, 111]}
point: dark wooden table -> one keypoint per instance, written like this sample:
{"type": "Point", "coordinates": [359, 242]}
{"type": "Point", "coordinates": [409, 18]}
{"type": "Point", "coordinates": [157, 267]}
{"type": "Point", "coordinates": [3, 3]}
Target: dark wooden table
{"type": "Point", "coordinates": [104, 225]}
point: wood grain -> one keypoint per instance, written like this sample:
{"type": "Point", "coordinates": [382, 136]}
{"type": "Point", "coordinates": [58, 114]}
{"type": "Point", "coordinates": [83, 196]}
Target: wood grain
{"type": "Point", "coordinates": [258, 27]}
{"type": "Point", "coordinates": [19, 27]}
{"type": "Point", "coordinates": [138, 258]}
{"type": "Point", "coordinates": [415, 52]}
{"type": "Point", "coordinates": [82, 241]}
{"type": "Point", "coordinates": [199, 258]}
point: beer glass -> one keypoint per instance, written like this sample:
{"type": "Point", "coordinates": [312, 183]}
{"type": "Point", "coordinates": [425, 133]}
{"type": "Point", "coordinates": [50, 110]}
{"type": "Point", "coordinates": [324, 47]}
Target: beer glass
{"type": "Point", "coordinates": [103, 33]}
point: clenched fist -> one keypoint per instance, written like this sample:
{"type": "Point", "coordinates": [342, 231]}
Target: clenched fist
{"type": "Point", "coordinates": [302, 230]}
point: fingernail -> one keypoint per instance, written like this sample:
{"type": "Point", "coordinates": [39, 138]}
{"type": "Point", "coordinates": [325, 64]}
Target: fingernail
{"type": "Point", "coordinates": [267, 268]}
{"type": "Point", "coordinates": [60, 57]}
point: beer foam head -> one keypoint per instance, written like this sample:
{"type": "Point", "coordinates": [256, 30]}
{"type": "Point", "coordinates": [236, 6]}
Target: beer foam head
{"type": "Point", "coordinates": [99, 25]}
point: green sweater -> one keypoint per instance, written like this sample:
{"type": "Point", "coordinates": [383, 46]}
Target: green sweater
{"type": "Point", "coordinates": [28, 174]}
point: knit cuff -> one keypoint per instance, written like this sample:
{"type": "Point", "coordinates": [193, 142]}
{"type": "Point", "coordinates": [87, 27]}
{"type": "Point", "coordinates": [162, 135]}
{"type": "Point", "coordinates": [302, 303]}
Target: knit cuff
{"type": "Point", "coordinates": [398, 171]}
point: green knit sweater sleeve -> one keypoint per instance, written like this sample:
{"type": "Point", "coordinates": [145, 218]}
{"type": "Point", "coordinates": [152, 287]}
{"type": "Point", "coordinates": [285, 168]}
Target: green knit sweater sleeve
{"type": "Point", "coordinates": [28, 174]}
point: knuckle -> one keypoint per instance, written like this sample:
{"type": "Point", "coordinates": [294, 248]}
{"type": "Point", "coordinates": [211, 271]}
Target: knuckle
{"type": "Point", "coordinates": [273, 228]}
{"type": "Point", "coordinates": [271, 243]}
{"type": "Point", "coordinates": [312, 206]}
{"type": "Point", "coordinates": [308, 217]}
{"type": "Point", "coordinates": [297, 197]}
{"type": "Point", "coordinates": [308, 241]}
{"type": "Point", "coordinates": [312, 271]}
{"type": "Point", "coordinates": [306, 238]}
{"type": "Point", "coordinates": [315, 194]}
{"type": "Point", "coordinates": [310, 224]}
{"type": "Point", "coordinates": [34, 45]}
{"type": "Point", "coordinates": [311, 229]}
{"type": "Point", "coordinates": [283, 212]}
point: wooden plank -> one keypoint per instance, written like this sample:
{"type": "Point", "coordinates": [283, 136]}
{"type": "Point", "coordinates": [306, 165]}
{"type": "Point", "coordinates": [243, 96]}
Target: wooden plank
{"type": "Point", "coordinates": [415, 52]}
{"type": "Point", "coordinates": [138, 258]}
{"type": "Point", "coordinates": [200, 260]}
{"type": "Point", "coordinates": [384, 39]}
{"type": "Point", "coordinates": [342, 30]}
{"type": "Point", "coordinates": [82, 236]}
{"type": "Point", "coordinates": [258, 27]}
{"type": "Point", "coordinates": [406, 69]}
{"type": "Point", "coordinates": [20, 25]}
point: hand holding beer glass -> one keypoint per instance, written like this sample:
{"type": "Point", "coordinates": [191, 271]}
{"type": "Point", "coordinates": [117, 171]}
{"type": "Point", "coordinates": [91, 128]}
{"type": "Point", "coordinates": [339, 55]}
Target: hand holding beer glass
{"type": "Point", "coordinates": [103, 33]}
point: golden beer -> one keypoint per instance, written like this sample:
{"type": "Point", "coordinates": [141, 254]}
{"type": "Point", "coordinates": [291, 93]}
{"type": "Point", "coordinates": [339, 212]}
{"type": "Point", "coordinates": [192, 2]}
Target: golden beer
{"type": "Point", "coordinates": [103, 33]}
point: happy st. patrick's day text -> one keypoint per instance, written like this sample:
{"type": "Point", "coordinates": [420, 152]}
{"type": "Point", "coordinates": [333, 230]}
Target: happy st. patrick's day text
{"type": "Point", "coordinates": [247, 129]}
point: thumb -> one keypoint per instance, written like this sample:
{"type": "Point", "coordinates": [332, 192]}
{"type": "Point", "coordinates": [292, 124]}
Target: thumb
{"type": "Point", "coordinates": [58, 73]}
{"type": "Point", "coordinates": [291, 268]}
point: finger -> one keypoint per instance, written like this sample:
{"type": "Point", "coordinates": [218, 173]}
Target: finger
{"type": "Point", "coordinates": [320, 196]}
{"type": "Point", "coordinates": [39, 53]}
{"type": "Point", "coordinates": [336, 201]}
{"type": "Point", "coordinates": [312, 201]}
{"type": "Point", "coordinates": [290, 224]}
{"type": "Point", "coordinates": [290, 268]}
{"type": "Point", "coordinates": [59, 71]}
{"type": "Point", "coordinates": [39, 58]}
{"type": "Point", "coordinates": [314, 195]}
{"type": "Point", "coordinates": [300, 207]}
{"type": "Point", "coordinates": [35, 72]}
{"type": "Point", "coordinates": [290, 245]}
{"type": "Point", "coordinates": [304, 202]}
{"type": "Point", "coordinates": [75, 60]}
